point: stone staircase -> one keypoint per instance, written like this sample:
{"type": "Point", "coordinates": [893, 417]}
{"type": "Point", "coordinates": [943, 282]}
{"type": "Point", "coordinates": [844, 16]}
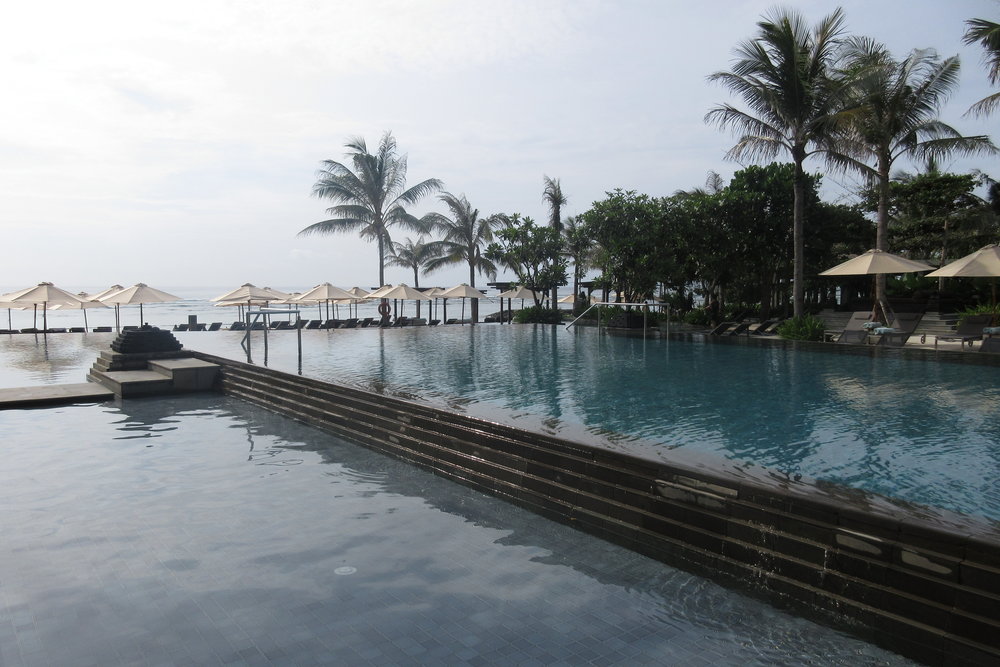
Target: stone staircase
{"type": "Point", "coordinates": [134, 375]}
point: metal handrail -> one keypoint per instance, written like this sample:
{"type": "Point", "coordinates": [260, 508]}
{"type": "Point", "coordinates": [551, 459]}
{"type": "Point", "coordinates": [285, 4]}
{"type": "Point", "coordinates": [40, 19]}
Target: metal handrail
{"type": "Point", "coordinates": [645, 309]}
{"type": "Point", "coordinates": [265, 312]}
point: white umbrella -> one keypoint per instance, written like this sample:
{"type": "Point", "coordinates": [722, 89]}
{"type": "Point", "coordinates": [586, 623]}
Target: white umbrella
{"type": "Point", "coordinates": [520, 292]}
{"type": "Point", "coordinates": [86, 302]}
{"type": "Point", "coordinates": [325, 292]}
{"type": "Point", "coordinates": [45, 294]}
{"type": "Point", "coordinates": [358, 293]}
{"type": "Point", "coordinates": [462, 291]}
{"type": "Point", "coordinates": [108, 292]}
{"type": "Point", "coordinates": [140, 293]}
{"type": "Point", "coordinates": [401, 292]}
{"type": "Point", "coordinates": [571, 298]}
{"type": "Point", "coordinates": [377, 294]}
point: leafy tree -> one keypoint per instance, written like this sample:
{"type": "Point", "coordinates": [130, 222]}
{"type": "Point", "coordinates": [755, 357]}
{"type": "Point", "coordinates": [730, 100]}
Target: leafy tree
{"type": "Point", "coordinates": [413, 255]}
{"type": "Point", "coordinates": [786, 76]}
{"type": "Point", "coordinates": [897, 116]}
{"type": "Point", "coordinates": [629, 230]}
{"type": "Point", "coordinates": [372, 196]}
{"type": "Point", "coordinates": [465, 235]}
{"type": "Point", "coordinates": [938, 216]}
{"type": "Point", "coordinates": [533, 253]}
{"type": "Point", "coordinates": [987, 33]}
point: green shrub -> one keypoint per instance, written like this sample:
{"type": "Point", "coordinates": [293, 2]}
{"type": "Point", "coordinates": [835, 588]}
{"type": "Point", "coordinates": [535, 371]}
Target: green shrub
{"type": "Point", "coordinates": [982, 309]}
{"type": "Point", "coordinates": [698, 317]}
{"type": "Point", "coordinates": [807, 327]}
{"type": "Point", "coordinates": [538, 315]}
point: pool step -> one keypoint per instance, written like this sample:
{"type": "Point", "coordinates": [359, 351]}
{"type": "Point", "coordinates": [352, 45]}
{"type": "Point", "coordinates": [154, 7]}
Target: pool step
{"type": "Point", "coordinates": [158, 376]}
{"type": "Point", "coordinates": [924, 585]}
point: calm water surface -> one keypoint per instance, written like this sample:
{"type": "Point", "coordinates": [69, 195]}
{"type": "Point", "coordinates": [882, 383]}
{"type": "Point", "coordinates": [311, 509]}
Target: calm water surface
{"type": "Point", "coordinates": [920, 431]}
{"type": "Point", "coordinates": [202, 530]}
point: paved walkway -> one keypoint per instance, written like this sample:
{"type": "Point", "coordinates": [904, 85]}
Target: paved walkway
{"type": "Point", "coordinates": [53, 394]}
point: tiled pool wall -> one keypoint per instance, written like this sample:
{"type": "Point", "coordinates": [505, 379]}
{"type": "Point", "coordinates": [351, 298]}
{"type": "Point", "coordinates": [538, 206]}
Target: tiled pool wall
{"type": "Point", "coordinates": [919, 581]}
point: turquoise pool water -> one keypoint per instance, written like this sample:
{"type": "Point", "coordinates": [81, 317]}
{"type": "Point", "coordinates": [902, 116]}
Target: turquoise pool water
{"type": "Point", "coordinates": [204, 531]}
{"type": "Point", "coordinates": [919, 431]}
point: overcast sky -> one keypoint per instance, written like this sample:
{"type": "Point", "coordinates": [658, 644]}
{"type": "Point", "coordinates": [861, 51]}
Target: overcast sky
{"type": "Point", "coordinates": [177, 143]}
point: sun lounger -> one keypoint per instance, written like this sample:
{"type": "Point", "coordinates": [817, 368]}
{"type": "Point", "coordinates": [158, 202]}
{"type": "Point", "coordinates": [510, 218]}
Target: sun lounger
{"type": "Point", "coordinates": [854, 333]}
{"type": "Point", "coordinates": [367, 322]}
{"type": "Point", "coordinates": [314, 324]}
{"type": "Point", "coordinates": [720, 329]}
{"type": "Point", "coordinates": [417, 322]}
{"type": "Point", "coordinates": [281, 325]}
{"type": "Point", "coordinates": [968, 330]}
{"type": "Point", "coordinates": [766, 328]}
{"type": "Point", "coordinates": [215, 326]}
{"type": "Point", "coordinates": [350, 323]}
{"type": "Point", "coordinates": [903, 327]}
{"type": "Point", "coordinates": [238, 325]}
{"type": "Point", "coordinates": [77, 330]}
{"type": "Point", "coordinates": [434, 323]}
{"type": "Point", "coordinates": [101, 329]}
{"type": "Point", "coordinates": [990, 344]}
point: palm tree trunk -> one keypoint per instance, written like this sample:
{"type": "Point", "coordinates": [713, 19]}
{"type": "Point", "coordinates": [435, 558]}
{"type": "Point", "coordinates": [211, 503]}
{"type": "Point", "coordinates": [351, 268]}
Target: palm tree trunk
{"type": "Point", "coordinates": [474, 313]}
{"type": "Point", "coordinates": [798, 239]}
{"type": "Point", "coordinates": [381, 260]}
{"type": "Point", "coordinates": [882, 228]}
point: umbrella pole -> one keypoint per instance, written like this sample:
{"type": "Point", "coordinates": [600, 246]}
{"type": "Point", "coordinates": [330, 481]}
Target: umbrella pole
{"type": "Point", "coordinates": [85, 325]}
{"type": "Point", "coordinates": [45, 318]}
{"type": "Point", "coordinates": [463, 311]}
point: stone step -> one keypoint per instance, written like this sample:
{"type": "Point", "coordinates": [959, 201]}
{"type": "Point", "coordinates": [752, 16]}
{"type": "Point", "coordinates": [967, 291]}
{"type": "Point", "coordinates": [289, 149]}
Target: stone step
{"type": "Point", "coordinates": [157, 376]}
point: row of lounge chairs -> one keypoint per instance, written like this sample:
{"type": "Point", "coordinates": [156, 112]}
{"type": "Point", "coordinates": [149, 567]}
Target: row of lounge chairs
{"type": "Point", "coordinates": [765, 328]}
{"type": "Point", "coordinates": [860, 330]}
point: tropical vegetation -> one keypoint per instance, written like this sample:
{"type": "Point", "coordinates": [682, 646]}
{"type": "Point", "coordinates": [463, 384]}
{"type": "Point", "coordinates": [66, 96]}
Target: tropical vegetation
{"type": "Point", "coordinates": [756, 243]}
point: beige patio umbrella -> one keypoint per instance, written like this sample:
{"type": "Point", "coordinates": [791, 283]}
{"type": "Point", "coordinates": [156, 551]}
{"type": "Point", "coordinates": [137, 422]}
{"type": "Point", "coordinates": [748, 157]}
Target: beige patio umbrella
{"type": "Point", "coordinates": [877, 262]}
{"type": "Point", "coordinates": [401, 291]}
{"type": "Point", "coordinates": [378, 294]}
{"type": "Point", "coordinates": [324, 293]}
{"type": "Point", "coordinates": [984, 263]}
{"type": "Point", "coordinates": [45, 294]}
{"type": "Point", "coordinates": [463, 291]}
{"type": "Point", "coordinates": [108, 292]}
{"type": "Point", "coordinates": [86, 302]}
{"type": "Point", "coordinates": [520, 292]}
{"type": "Point", "coordinates": [140, 293]}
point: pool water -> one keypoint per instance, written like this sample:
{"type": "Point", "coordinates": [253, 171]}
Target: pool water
{"type": "Point", "coordinates": [202, 530]}
{"type": "Point", "coordinates": [920, 431]}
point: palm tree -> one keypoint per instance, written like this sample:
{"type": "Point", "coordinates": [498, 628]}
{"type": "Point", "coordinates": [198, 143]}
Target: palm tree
{"type": "Point", "coordinates": [412, 255]}
{"type": "Point", "coordinates": [579, 248]}
{"type": "Point", "coordinates": [987, 33]}
{"type": "Point", "coordinates": [372, 196]}
{"type": "Point", "coordinates": [554, 197]}
{"type": "Point", "coordinates": [896, 105]}
{"type": "Point", "coordinates": [465, 234]}
{"type": "Point", "coordinates": [786, 77]}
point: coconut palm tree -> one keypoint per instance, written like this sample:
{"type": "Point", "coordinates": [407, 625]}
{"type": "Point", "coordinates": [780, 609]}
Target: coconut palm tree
{"type": "Point", "coordinates": [987, 33]}
{"type": "Point", "coordinates": [786, 76]}
{"type": "Point", "coordinates": [554, 197]}
{"type": "Point", "coordinates": [371, 197]}
{"type": "Point", "coordinates": [465, 234]}
{"type": "Point", "coordinates": [412, 255]}
{"type": "Point", "coordinates": [579, 248]}
{"type": "Point", "coordinates": [896, 106]}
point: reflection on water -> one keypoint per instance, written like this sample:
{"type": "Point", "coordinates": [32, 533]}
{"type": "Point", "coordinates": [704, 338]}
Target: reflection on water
{"type": "Point", "coordinates": [903, 428]}
{"type": "Point", "coordinates": [314, 548]}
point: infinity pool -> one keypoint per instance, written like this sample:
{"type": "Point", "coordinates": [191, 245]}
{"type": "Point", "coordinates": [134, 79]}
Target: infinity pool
{"type": "Point", "coordinates": [202, 530]}
{"type": "Point", "coordinates": [920, 431]}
